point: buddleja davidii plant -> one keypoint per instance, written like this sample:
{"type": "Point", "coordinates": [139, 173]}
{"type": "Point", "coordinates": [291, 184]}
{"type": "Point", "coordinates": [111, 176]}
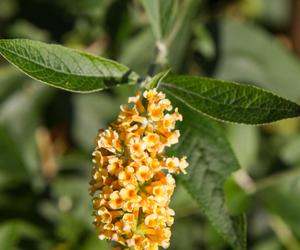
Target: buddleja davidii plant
{"type": "Point", "coordinates": [132, 179]}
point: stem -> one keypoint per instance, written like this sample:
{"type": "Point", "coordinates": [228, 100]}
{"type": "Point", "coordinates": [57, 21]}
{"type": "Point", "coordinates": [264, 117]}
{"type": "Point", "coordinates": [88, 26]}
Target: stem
{"type": "Point", "coordinates": [283, 233]}
{"type": "Point", "coordinates": [245, 181]}
{"type": "Point", "coordinates": [251, 187]}
{"type": "Point", "coordinates": [275, 179]}
{"type": "Point", "coordinates": [161, 55]}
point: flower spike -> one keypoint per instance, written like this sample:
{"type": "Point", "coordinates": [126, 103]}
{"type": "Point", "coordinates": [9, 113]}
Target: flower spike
{"type": "Point", "coordinates": [132, 180]}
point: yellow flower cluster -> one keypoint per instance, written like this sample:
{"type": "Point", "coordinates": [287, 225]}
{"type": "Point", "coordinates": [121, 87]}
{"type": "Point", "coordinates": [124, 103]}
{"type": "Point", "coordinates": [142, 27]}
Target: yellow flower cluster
{"type": "Point", "coordinates": [131, 180]}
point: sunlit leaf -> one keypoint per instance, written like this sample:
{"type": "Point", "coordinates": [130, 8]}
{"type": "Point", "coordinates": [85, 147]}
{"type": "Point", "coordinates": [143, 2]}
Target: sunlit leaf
{"type": "Point", "coordinates": [229, 101]}
{"type": "Point", "coordinates": [65, 68]}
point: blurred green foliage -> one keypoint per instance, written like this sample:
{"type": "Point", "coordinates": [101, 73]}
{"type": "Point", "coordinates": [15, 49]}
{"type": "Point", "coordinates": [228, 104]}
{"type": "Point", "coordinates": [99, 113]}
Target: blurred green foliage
{"type": "Point", "coordinates": [47, 135]}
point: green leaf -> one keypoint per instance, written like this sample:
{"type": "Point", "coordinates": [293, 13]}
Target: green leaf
{"type": "Point", "coordinates": [93, 243]}
{"type": "Point", "coordinates": [9, 77]}
{"type": "Point", "coordinates": [157, 79]}
{"type": "Point", "coordinates": [290, 150]}
{"type": "Point", "coordinates": [246, 153]}
{"type": "Point", "coordinates": [65, 68]}
{"type": "Point", "coordinates": [237, 199]}
{"type": "Point", "coordinates": [19, 113]}
{"type": "Point", "coordinates": [204, 42]}
{"type": "Point", "coordinates": [135, 47]}
{"type": "Point", "coordinates": [282, 198]}
{"type": "Point", "coordinates": [211, 162]}
{"type": "Point", "coordinates": [254, 62]}
{"type": "Point", "coordinates": [228, 101]}
{"type": "Point", "coordinates": [160, 14]}
{"type": "Point", "coordinates": [12, 167]}
{"type": "Point", "coordinates": [92, 112]}
{"type": "Point", "coordinates": [24, 29]}
{"type": "Point", "coordinates": [71, 187]}
{"type": "Point", "coordinates": [186, 228]}
{"type": "Point", "coordinates": [12, 231]}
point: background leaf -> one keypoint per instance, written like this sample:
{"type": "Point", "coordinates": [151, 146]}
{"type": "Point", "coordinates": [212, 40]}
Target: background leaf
{"type": "Point", "coordinates": [10, 77]}
{"type": "Point", "coordinates": [136, 47]}
{"type": "Point", "coordinates": [11, 164]}
{"type": "Point", "coordinates": [211, 162]}
{"type": "Point", "coordinates": [237, 134]}
{"type": "Point", "coordinates": [160, 14]}
{"type": "Point", "coordinates": [65, 68]}
{"type": "Point", "coordinates": [12, 231]}
{"type": "Point", "coordinates": [254, 62]}
{"type": "Point", "coordinates": [282, 198]}
{"type": "Point", "coordinates": [229, 101]}
{"type": "Point", "coordinates": [92, 112]}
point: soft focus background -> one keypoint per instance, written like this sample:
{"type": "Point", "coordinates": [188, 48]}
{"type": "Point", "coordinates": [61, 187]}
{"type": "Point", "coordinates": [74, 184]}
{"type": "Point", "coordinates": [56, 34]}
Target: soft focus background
{"type": "Point", "coordinates": [47, 135]}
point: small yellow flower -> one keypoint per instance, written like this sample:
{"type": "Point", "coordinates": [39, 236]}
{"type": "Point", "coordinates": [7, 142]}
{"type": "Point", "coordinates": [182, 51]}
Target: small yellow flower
{"type": "Point", "coordinates": [143, 174]}
{"type": "Point", "coordinates": [129, 193]}
{"type": "Point", "coordinates": [183, 164]}
{"type": "Point", "coordinates": [152, 220]}
{"type": "Point", "coordinates": [116, 200]}
{"type": "Point", "coordinates": [137, 147]}
{"type": "Point", "coordinates": [172, 164]}
{"type": "Point", "coordinates": [131, 178]}
{"type": "Point", "coordinates": [114, 166]}
{"type": "Point", "coordinates": [105, 215]}
{"type": "Point", "coordinates": [156, 112]}
{"type": "Point", "coordinates": [127, 176]}
{"type": "Point", "coordinates": [130, 206]}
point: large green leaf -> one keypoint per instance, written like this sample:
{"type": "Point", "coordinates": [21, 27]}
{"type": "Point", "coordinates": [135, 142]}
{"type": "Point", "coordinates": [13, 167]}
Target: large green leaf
{"type": "Point", "coordinates": [211, 162]}
{"type": "Point", "coordinates": [65, 68]}
{"type": "Point", "coordinates": [229, 101]}
{"type": "Point", "coordinates": [160, 14]}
